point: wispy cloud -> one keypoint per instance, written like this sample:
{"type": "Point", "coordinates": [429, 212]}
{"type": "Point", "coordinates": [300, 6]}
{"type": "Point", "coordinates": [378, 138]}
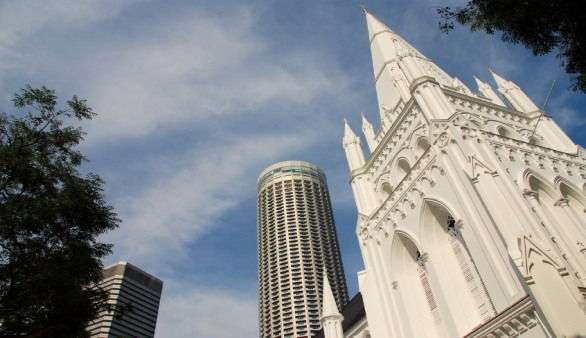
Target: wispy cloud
{"type": "Point", "coordinates": [20, 20]}
{"type": "Point", "coordinates": [200, 312]}
{"type": "Point", "coordinates": [196, 67]}
{"type": "Point", "coordinates": [185, 200]}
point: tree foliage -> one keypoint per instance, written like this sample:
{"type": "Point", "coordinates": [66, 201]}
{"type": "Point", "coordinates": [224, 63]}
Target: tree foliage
{"type": "Point", "coordinates": [50, 218]}
{"type": "Point", "coordinates": [541, 25]}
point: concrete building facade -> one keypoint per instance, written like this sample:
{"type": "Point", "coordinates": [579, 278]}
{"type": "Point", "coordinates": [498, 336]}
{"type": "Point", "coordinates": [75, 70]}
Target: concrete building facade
{"type": "Point", "coordinates": [297, 245]}
{"type": "Point", "coordinates": [137, 292]}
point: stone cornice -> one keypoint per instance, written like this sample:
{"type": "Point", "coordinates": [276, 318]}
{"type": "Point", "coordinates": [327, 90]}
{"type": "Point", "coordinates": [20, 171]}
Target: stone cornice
{"type": "Point", "coordinates": [520, 116]}
{"type": "Point", "coordinates": [421, 80]}
{"type": "Point", "coordinates": [512, 322]}
{"type": "Point", "coordinates": [519, 145]}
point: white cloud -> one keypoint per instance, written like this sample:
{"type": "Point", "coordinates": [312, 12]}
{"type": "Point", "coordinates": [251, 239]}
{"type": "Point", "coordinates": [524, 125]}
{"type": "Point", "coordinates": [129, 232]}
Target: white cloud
{"type": "Point", "coordinates": [187, 198]}
{"type": "Point", "coordinates": [194, 68]}
{"type": "Point", "coordinates": [21, 19]}
{"type": "Point", "coordinates": [205, 313]}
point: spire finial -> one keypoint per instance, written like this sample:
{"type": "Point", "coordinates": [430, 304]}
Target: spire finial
{"type": "Point", "coordinates": [365, 121]}
{"type": "Point", "coordinates": [349, 134]}
{"type": "Point", "coordinates": [329, 307]}
{"type": "Point", "coordinates": [500, 81]}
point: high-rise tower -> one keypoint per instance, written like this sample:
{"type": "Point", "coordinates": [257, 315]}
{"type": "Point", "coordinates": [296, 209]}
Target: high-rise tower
{"type": "Point", "coordinates": [137, 294]}
{"type": "Point", "coordinates": [297, 243]}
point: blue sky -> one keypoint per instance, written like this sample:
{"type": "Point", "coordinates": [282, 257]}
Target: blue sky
{"type": "Point", "coordinates": [196, 98]}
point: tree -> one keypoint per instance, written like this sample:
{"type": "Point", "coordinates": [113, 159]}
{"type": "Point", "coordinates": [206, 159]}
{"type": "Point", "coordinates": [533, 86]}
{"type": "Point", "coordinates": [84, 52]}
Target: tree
{"type": "Point", "coordinates": [541, 25]}
{"type": "Point", "coordinates": [50, 218]}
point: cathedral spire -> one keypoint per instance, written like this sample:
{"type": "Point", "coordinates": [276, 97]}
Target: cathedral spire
{"type": "Point", "coordinates": [351, 144]}
{"type": "Point", "coordinates": [399, 68]}
{"type": "Point", "coordinates": [331, 317]}
{"type": "Point", "coordinates": [486, 90]}
{"type": "Point", "coordinates": [514, 94]}
{"type": "Point", "coordinates": [377, 27]}
{"type": "Point", "coordinates": [368, 131]}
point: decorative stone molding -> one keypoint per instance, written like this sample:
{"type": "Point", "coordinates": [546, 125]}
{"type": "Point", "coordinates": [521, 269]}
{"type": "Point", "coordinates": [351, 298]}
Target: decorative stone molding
{"type": "Point", "coordinates": [512, 322]}
{"type": "Point", "coordinates": [478, 167]}
{"type": "Point", "coordinates": [536, 156]}
{"type": "Point", "coordinates": [529, 193]}
{"type": "Point", "coordinates": [488, 110]}
{"type": "Point", "coordinates": [392, 140]}
{"type": "Point", "coordinates": [422, 259]}
{"type": "Point", "coordinates": [407, 195]}
{"type": "Point", "coordinates": [562, 202]}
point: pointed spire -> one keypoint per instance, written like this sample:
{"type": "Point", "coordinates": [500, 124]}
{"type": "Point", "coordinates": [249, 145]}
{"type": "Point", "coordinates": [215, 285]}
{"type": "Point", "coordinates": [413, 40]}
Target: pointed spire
{"type": "Point", "coordinates": [459, 85]}
{"type": "Point", "coordinates": [514, 94]}
{"type": "Point", "coordinates": [369, 134]}
{"type": "Point", "coordinates": [374, 25]}
{"type": "Point", "coordinates": [331, 319]}
{"type": "Point", "coordinates": [397, 65]}
{"type": "Point", "coordinates": [352, 147]}
{"type": "Point", "coordinates": [365, 123]}
{"type": "Point", "coordinates": [479, 82]}
{"type": "Point", "coordinates": [486, 90]}
{"type": "Point", "coordinates": [501, 82]}
{"type": "Point", "coordinates": [349, 135]}
{"type": "Point", "coordinates": [329, 307]}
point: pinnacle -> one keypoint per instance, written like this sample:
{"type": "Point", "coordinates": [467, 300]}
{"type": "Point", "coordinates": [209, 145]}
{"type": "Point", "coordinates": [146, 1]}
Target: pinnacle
{"type": "Point", "coordinates": [374, 25]}
{"type": "Point", "coordinates": [500, 81]}
{"type": "Point", "coordinates": [329, 306]}
{"type": "Point", "coordinates": [479, 82]}
{"type": "Point", "coordinates": [348, 132]}
{"type": "Point", "coordinates": [365, 122]}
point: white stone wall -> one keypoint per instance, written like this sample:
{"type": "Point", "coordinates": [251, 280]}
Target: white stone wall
{"type": "Point", "coordinates": [471, 213]}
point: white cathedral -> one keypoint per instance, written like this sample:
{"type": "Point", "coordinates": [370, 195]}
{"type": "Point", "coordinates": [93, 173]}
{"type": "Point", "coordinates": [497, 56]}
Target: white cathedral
{"type": "Point", "coordinates": [471, 209]}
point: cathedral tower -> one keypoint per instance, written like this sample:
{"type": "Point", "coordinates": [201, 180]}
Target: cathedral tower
{"type": "Point", "coordinates": [471, 206]}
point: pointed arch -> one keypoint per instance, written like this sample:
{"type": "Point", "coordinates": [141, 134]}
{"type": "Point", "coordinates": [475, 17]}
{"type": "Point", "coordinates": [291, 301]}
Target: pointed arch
{"type": "Point", "coordinates": [416, 298]}
{"type": "Point", "coordinates": [402, 168]}
{"type": "Point", "coordinates": [568, 189]}
{"type": "Point", "coordinates": [421, 146]}
{"type": "Point", "coordinates": [560, 225]}
{"type": "Point", "coordinates": [460, 282]}
{"type": "Point", "coordinates": [384, 187]}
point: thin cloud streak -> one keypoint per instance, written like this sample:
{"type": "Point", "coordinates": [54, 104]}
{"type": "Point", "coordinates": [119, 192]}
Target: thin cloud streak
{"type": "Point", "coordinates": [200, 312]}
{"type": "Point", "coordinates": [185, 201]}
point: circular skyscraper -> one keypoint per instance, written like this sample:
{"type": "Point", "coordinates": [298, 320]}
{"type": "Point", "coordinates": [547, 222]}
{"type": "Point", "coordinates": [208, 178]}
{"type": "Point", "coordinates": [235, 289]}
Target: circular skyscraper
{"type": "Point", "coordinates": [297, 242]}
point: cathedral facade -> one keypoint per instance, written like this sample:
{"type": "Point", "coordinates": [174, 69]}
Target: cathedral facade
{"type": "Point", "coordinates": [471, 208]}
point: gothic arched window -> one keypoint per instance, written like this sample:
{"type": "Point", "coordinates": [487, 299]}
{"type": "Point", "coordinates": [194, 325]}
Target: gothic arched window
{"type": "Point", "coordinates": [403, 169]}
{"type": "Point", "coordinates": [419, 309]}
{"type": "Point", "coordinates": [422, 146]}
{"type": "Point", "coordinates": [459, 280]}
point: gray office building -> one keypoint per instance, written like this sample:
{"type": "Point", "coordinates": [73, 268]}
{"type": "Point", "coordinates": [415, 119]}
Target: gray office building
{"type": "Point", "coordinates": [135, 290]}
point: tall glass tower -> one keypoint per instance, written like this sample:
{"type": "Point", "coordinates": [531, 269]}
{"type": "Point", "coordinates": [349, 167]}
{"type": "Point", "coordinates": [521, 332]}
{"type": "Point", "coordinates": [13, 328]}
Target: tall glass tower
{"type": "Point", "coordinates": [297, 244]}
